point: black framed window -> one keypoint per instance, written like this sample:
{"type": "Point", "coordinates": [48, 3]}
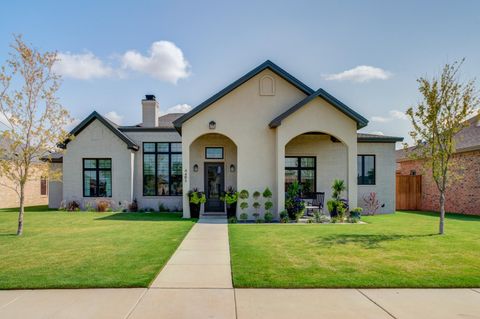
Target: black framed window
{"type": "Point", "coordinates": [301, 169]}
{"type": "Point", "coordinates": [366, 169]}
{"type": "Point", "coordinates": [43, 186]}
{"type": "Point", "coordinates": [162, 169]}
{"type": "Point", "coordinates": [97, 177]}
{"type": "Point", "coordinates": [214, 152]}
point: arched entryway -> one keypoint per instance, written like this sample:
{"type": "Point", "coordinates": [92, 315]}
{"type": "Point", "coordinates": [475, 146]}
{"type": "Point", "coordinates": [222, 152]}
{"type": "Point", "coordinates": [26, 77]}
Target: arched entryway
{"type": "Point", "coordinates": [315, 160]}
{"type": "Point", "coordinates": [213, 169]}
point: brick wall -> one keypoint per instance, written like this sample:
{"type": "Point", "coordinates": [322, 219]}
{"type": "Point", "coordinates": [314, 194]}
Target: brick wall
{"type": "Point", "coordinates": [463, 194]}
{"type": "Point", "coordinates": [9, 198]}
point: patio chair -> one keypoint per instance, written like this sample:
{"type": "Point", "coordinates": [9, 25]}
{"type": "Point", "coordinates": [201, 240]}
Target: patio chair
{"type": "Point", "coordinates": [317, 201]}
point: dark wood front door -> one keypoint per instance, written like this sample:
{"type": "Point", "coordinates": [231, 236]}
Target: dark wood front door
{"type": "Point", "coordinates": [214, 186]}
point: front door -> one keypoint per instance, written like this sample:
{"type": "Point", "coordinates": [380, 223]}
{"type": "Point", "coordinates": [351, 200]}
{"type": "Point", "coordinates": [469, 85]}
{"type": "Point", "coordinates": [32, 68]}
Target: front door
{"type": "Point", "coordinates": [214, 186]}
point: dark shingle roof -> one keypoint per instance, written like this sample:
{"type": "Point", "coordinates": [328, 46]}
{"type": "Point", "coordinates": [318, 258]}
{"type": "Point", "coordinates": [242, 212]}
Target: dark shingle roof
{"type": "Point", "coordinates": [375, 138]}
{"type": "Point", "coordinates": [361, 121]}
{"type": "Point", "coordinates": [109, 124]}
{"type": "Point", "coordinates": [468, 139]}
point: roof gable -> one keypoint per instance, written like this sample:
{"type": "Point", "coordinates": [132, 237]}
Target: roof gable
{"type": "Point", "coordinates": [361, 121]}
{"type": "Point", "coordinates": [110, 125]}
{"type": "Point", "coordinates": [265, 65]}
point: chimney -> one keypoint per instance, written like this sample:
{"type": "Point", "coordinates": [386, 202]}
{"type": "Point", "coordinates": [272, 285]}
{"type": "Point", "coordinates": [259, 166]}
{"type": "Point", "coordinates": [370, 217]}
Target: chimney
{"type": "Point", "coordinates": [150, 111]}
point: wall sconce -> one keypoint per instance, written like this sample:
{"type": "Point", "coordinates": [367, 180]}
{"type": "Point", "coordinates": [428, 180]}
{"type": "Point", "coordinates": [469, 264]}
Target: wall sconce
{"type": "Point", "coordinates": [212, 125]}
{"type": "Point", "coordinates": [232, 168]}
{"type": "Point", "coordinates": [195, 168]}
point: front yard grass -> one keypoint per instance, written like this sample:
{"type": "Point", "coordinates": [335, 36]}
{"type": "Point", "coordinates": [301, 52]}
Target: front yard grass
{"type": "Point", "coordinates": [397, 250]}
{"type": "Point", "coordinates": [85, 250]}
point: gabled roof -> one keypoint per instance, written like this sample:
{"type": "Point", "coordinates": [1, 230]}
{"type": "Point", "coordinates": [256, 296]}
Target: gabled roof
{"type": "Point", "coordinates": [109, 124]}
{"type": "Point", "coordinates": [265, 65]}
{"type": "Point", "coordinates": [361, 121]}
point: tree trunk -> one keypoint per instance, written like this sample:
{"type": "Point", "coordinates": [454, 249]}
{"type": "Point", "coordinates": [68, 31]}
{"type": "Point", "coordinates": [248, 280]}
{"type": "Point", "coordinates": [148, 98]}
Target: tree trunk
{"type": "Point", "coordinates": [442, 213]}
{"type": "Point", "coordinates": [21, 211]}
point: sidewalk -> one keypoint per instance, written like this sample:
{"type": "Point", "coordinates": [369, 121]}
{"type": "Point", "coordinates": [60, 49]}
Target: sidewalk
{"type": "Point", "coordinates": [196, 283]}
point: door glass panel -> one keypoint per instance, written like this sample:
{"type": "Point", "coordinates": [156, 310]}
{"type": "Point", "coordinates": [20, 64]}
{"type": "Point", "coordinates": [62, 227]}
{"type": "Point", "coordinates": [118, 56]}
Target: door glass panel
{"type": "Point", "coordinates": [308, 180]}
{"type": "Point", "coordinates": [162, 174]}
{"type": "Point", "coordinates": [308, 162]}
{"type": "Point", "coordinates": [291, 161]}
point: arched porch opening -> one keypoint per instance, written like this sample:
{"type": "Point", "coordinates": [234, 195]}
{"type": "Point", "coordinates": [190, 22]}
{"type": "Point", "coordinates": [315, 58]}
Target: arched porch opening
{"type": "Point", "coordinates": [212, 169]}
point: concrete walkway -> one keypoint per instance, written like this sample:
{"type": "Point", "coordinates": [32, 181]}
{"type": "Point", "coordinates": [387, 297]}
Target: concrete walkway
{"type": "Point", "coordinates": [197, 283]}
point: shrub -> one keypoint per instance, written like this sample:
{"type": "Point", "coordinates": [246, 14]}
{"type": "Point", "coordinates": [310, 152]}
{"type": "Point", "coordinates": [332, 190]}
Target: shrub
{"type": "Point", "coordinates": [243, 216]}
{"type": "Point", "coordinates": [259, 221]}
{"type": "Point", "coordinates": [372, 203]}
{"type": "Point", "coordinates": [243, 194]}
{"type": "Point", "coordinates": [232, 220]}
{"type": "Point", "coordinates": [256, 206]}
{"type": "Point", "coordinates": [103, 205]}
{"type": "Point", "coordinates": [90, 207]}
{"type": "Point", "coordinates": [133, 206]}
{"type": "Point", "coordinates": [309, 221]}
{"type": "Point", "coordinates": [284, 216]}
{"type": "Point", "coordinates": [268, 217]}
{"type": "Point", "coordinates": [141, 210]}
{"type": "Point", "coordinates": [196, 197]}
{"type": "Point", "coordinates": [162, 208]}
{"type": "Point", "coordinates": [73, 206]}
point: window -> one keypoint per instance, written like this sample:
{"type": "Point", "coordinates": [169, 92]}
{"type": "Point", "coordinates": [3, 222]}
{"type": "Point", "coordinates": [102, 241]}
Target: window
{"type": "Point", "coordinates": [214, 152]}
{"type": "Point", "coordinates": [366, 169]}
{"type": "Point", "coordinates": [97, 177]}
{"type": "Point", "coordinates": [43, 186]}
{"type": "Point", "coordinates": [162, 169]}
{"type": "Point", "coordinates": [303, 170]}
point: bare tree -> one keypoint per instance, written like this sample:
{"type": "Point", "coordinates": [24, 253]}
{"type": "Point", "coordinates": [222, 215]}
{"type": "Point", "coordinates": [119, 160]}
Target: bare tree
{"type": "Point", "coordinates": [35, 118]}
{"type": "Point", "coordinates": [447, 104]}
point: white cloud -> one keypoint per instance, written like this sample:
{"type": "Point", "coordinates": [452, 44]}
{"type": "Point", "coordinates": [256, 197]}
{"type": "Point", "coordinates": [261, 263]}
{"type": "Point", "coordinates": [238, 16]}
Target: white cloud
{"type": "Point", "coordinates": [361, 73]}
{"type": "Point", "coordinates": [114, 117]}
{"type": "Point", "coordinates": [376, 133]}
{"type": "Point", "coordinates": [81, 66]}
{"type": "Point", "coordinates": [393, 115]}
{"type": "Point", "coordinates": [179, 108]}
{"type": "Point", "coordinates": [165, 61]}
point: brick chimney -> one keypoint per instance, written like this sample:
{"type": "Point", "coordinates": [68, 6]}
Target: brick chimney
{"type": "Point", "coordinates": [150, 111]}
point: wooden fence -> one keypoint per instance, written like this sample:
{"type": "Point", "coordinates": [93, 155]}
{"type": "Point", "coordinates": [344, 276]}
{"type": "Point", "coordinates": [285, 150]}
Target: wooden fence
{"type": "Point", "coordinates": [409, 192]}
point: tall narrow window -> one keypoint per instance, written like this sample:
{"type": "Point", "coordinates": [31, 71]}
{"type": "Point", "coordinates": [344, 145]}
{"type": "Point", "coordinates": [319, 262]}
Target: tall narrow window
{"type": "Point", "coordinates": [97, 177]}
{"type": "Point", "coordinates": [162, 169]}
{"type": "Point", "coordinates": [303, 170]}
{"type": "Point", "coordinates": [366, 170]}
{"type": "Point", "coordinates": [43, 186]}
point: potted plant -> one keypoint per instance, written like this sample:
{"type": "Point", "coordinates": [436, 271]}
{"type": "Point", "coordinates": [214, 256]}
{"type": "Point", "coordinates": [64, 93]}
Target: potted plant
{"type": "Point", "coordinates": [293, 203]}
{"type": "Point", "coordinates": [243, 195]}
{"type": "Point", "coordinates": [230, 197]}
{"type": "Point", "coordinates": [267, 194]}
{"type": "Point", "coordinates": [196, 200]}
{"type": "Point", "coordinates": [256, 205]}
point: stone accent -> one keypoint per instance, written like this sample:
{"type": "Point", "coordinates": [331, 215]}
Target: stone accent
{"type": "Point", "coordinates": [463, 194]}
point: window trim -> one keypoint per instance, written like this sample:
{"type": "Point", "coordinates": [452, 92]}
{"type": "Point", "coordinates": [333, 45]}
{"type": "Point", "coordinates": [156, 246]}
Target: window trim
{"type": "Point", "coordinates": [97, 170]}
{"type": "Point", "coordinates": [362, 169]}
{"type": "Point", "coordinates": [156, 153]}
{"type": "Point", "coordinates": [299, 169]}
{"type": "Point", "coordinates": [215, 158]}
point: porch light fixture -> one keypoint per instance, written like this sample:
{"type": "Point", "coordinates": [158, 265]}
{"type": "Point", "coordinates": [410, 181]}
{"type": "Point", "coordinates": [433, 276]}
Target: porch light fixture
{"type": "Point", "coordinates": [212, 125]}
{"type": "Point", "coordinates": [195, 168]}
{"type": "Point", "coordinates": [232, 168]}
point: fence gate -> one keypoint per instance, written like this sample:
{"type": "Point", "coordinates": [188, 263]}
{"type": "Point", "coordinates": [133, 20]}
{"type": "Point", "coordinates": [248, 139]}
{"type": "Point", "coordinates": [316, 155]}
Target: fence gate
{"type": "Point", "coordinates": [409, 192]}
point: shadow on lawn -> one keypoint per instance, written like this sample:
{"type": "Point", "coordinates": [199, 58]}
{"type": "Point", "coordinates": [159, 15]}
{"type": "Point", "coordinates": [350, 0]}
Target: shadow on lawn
{"type": "Point", "coordinates": [154, 217]}
{"type": "Point", "coordinates": [365, 240]}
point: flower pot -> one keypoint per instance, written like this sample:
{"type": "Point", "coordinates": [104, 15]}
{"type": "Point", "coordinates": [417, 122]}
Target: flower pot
{"type": "Point", "coordinates": [194, 210]}
{"type": "Point", "coordinates": [232, 210]}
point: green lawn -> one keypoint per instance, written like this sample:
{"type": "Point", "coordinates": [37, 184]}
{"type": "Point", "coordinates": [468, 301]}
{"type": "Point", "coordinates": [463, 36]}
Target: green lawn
{"type": "Point", "coordinates": [397, 250]}
{"type": "Point", "coordinates": [80, 250]}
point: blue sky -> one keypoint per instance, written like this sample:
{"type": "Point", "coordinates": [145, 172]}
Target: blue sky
{"type": "Point", "coordinates": [110, 63]}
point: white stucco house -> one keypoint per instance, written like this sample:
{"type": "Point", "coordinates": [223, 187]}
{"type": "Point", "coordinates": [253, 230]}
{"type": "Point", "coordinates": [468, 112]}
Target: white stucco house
{"type": "Point", "coordinates": [265, 129]}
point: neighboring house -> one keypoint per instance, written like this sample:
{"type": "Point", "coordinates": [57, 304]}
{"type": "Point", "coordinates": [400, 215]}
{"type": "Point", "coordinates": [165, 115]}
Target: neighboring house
{"type": "Point", "coordinates": [266, 129]}
{"type": "Point", "coordinates": [463, 193]}
{"type": "Point", "coordinates": [36, 190]}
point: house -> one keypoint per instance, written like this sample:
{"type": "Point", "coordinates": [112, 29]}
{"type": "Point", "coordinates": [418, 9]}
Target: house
{"type": "Point", "coordinates": [36, 188]}
{"type": "Point", "coordinates": [265, 129]}
{"type": "Point", "coordinates": [463, 193]}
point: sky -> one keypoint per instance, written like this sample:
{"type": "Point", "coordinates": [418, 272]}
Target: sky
{"type": "Point", "coordinates": [368, 54]}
